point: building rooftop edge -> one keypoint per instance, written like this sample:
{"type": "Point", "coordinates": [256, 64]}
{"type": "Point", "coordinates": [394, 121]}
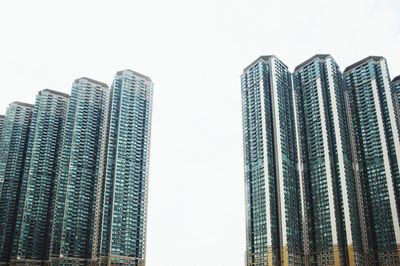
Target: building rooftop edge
{"type": "Point", "coordinates": [311, 59]}
{"type": "Point", "coordinates": [22, 103]}
{"type": "Point", "coordinates": [263, 57]}
{"type": "Point", "coordinates": [396, 79]}
{"type": "Point", "coordinates": [362, 61]}
{"type": "Point", "coordinates": [135, 73]}
{"type": "Point", "coordinates": [56, 92]}
{"type": "Point", "coordinates": [92, 81]}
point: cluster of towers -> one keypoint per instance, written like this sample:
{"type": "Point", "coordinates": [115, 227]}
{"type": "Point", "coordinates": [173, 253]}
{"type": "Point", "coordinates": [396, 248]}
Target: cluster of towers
{"type": "Point", "coordinates": [322, 158]}
{"type": "Point", "coordinates": [73, 174]}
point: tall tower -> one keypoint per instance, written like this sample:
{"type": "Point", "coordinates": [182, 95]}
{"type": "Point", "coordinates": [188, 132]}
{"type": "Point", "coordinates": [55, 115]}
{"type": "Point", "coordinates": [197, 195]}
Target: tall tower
{"type": "Point", "coordinates": [13, 144]}
{"type": "Point", "coordinates": [80, 172]}
{"type": "Point", "coordinates": [273, 210]}
{"type": "Point", "coordinates": [124, 202]}
{"type": "Point", "coordinates": [44, 147]}
{"type": "Point", "coordinates": [332, 229]}
{"type": "Point", "coordinates": [376, 149]}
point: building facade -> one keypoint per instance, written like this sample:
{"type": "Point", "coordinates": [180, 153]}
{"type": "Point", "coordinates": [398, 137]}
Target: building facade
{"type": "Point", "coordinates": [124, 201]}
{"type": "Point", "coordinates": [13, 145]}
{"type": "Point", "coordinates": [2, 117]}
{"type": "Point", "coordinates": [332, 229]}
{"type": "Point", "coordinates": [396, 88]}
{"type": "Point", "coordinates": [273, 210]}
{"type": "Point", "coordinates": [79, 174]}
{"type": "Point", "coordinates": [376, 153]}
{"type": "Point", "coordinates": [44, 147]}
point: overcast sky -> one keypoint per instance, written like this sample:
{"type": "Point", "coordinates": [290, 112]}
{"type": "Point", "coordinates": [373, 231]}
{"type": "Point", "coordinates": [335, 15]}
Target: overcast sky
{"type": "Point", "coordinates": [195, 52]}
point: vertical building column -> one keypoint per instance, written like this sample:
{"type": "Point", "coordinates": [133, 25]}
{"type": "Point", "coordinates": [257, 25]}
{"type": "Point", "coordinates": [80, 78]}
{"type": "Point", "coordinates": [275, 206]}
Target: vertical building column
{"type": "Point", "coordinates": [386, 160]}
{"type": "Point", "coordinates": [302, 181]}
{"type": "Point", "coordinates": [278, 165]}
{"type": "Point", "coordinates": [341, 164]}
{"type": "Point", "coordinates": [268, 210]}
{"type": "Point", "coordinates": [329, 175]}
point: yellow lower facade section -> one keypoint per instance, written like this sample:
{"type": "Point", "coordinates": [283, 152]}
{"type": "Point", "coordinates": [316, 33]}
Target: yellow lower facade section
{"type": "Point", "coordinates": [351, 255]}
{"type": "Point", "coordinates": [285, 256]}
{"type": "Point", "coordinates": [336, 255]}
{"type": "Point", "coordinates": [333, 257]}
{"type": "Point", "coordinates": [398, 250]}
{"type": "Point", "coordinates": [270, 257]}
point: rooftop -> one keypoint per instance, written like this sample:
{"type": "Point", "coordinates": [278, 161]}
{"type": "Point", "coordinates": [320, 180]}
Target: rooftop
{"type": "Point", "coordinates": [55, 92]}
{"type": "Point", "coordinates": [263, 58]}
{"type": "Point", "coordinates": [23, 104]}
{"type": "Point", "coordinates": [92, 81]}
{"type": "Point", "coordinates": [312, 59]}
{"type": "Point", "coordinates": [375, 58]}
{"type": "Point", "coordinates": [134, 73]}
{"type": "Point", "coordinates": [396, 79]}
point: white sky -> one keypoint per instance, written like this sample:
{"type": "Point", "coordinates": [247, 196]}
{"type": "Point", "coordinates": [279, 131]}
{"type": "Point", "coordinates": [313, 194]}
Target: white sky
{"type": "Point", "coordinates": [195, 52]}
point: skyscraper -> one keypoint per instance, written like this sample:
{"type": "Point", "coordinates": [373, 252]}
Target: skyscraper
{"type": "Point", "coordinates": [273, 210]}
{"type": "Point", "coordinates": [80, 171]}
{"type": "Point", "coordinates": [124, 202]}
{"type": "Point", "coordinates": [13, 144]}
{"type": "Point", "coordinates": [376, 153]}
{"type": "Point", "coordinates": [332, 230]}
{"type": "Point", "coordinates": [44, 148]}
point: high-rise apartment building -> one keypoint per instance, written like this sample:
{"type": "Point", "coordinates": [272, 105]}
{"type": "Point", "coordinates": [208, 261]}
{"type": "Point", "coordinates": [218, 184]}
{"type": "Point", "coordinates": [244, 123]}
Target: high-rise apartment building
{"type": "Point", "coordinates": [79, 174]}
{"type": "Point", "coordinates": [273, 210]}
{"type": "Point", "coordinates": [124, 202]}
{"type": "Point", "coordinates": [35, 207]}
{"type": "Point", "coordinates": [376, 153]}
{"type": "Point", "coordinates": [331, 225]}
{"type": "Point", "coordinates": [13, 144]}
